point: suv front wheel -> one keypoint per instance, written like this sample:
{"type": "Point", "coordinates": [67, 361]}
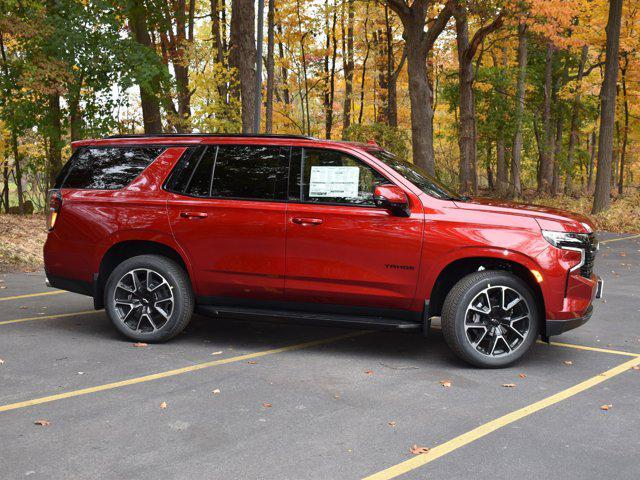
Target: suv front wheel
{"type": "Point", "coordinates": [490, 318]}
{"type": "Point", "coordinates": [149, 298]}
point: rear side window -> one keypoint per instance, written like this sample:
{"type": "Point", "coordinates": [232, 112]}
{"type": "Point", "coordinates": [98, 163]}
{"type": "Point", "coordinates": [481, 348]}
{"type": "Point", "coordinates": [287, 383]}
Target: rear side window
{"type": "Point", "coordinates": [233, 171]}
{"type": "Point", "coordinates": [106, 168]}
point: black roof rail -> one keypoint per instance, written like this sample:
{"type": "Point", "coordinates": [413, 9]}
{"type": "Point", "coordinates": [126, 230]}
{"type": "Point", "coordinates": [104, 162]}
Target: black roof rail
{"type": "Point", "coordinates": [239, 135]}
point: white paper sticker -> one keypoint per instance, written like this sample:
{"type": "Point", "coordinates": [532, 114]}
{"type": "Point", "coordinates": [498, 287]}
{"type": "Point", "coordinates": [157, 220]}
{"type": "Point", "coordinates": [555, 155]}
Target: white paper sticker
{"type": "Point", "coordinates": [339, 182]}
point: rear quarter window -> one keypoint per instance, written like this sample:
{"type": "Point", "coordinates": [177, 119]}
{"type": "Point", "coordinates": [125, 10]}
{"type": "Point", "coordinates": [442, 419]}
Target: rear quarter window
{"type": "Point", "coordinates": [106, 168]}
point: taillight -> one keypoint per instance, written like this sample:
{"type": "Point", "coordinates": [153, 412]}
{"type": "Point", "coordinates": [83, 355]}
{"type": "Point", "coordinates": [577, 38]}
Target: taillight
{"type": "Point", "coordinates": [54, 204]}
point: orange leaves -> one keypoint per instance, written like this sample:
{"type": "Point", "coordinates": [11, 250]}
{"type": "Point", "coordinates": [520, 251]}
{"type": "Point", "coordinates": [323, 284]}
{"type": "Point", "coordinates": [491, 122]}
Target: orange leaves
{"type": "Point", "coordinates": [418, 450]}
{"type": "Point", "coordinates": [42, 423]}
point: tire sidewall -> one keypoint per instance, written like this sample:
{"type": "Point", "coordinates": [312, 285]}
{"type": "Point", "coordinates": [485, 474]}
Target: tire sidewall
{"type": "Point", "coordinates": [176, 279]}
{"type": "Point", "coordinates": [495, 279]}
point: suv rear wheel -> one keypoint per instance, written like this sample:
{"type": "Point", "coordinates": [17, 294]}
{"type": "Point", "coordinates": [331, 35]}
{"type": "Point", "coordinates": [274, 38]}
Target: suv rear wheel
{"type": "Point", "coordinates": [490, 318]}
{"type": "Point", "coordinates": [149, 298]}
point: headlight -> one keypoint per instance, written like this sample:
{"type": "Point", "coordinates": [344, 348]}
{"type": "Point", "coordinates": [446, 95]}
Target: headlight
{"type": "Point", "coordinates": [566, 240]}
{"type": "Point", "coordinates": [569, 241]}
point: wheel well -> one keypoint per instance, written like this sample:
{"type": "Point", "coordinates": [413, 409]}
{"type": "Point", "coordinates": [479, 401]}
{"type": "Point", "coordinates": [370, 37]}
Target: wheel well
{"type": "Point", "coordinates": [120, 252]}
{"type": "Point", "coordinates": [455, 271]}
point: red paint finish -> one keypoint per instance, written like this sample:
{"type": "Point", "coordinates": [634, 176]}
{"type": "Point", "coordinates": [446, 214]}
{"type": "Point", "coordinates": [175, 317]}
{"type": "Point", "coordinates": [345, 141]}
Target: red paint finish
{"type": "Point", "coordinates": [334, 254]}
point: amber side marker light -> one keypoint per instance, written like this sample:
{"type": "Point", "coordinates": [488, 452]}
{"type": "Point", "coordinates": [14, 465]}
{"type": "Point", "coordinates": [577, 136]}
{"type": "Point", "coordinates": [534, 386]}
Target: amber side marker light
{"type": "Point", "coordinates": [54, 202]}
{"type": "Point", "coordinates": [537, 275]}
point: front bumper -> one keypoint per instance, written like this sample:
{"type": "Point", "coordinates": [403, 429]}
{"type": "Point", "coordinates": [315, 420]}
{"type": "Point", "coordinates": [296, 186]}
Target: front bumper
{"type": "Point", "coordinates": [556, 327]}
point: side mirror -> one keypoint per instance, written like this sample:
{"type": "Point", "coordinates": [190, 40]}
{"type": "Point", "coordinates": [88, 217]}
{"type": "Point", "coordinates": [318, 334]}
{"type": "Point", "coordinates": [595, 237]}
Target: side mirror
{"type": "Point", "coordinates": [393, 199]}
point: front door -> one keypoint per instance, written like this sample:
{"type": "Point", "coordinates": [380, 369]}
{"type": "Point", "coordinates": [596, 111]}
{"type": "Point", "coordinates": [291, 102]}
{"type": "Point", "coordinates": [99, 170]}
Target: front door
{"type": "Point", "coordinates": [227, 211]}
{"type": "Point", "coordinates": [342, 249]}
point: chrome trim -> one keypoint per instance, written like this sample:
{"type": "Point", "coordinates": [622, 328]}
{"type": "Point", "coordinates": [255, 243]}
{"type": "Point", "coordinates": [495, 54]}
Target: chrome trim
{"type": "Point", "coordinates": [582, 257]}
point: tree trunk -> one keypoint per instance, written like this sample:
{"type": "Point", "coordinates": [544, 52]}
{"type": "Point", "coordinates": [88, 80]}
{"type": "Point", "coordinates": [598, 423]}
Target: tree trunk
{"type": "Point", "coordinates": [17, 172]}
{"type": "Point", "coordinates": [467, 132]}
{"type": "Point", "coordinates": [148, 88]}
{"type": "Point", "coordinates": [330, 68]}
{"type": "Point", "coordinates": [364, 64]}
{"type": "Point", "coordinates": [545, 179]}
{"type": "Point", "coordinates": [516, 160]}
{"type": "Point", "coordinates": [592, 161]}
{"type": "Point", "coordinates": [242, 57]}
{"type": "Point", "coordinates": [219, 43]}
{"type": "Point", "coordinates": [284, 73]}
{"type": "Point", "coordinates": [625, 132]}
{"type": "Point", "coordinates": [55, 140]}
{"type": "Point", "coordinates": [421, 111]}
{"type": "Point", "coordinates": [418, 44]}
{"type": "Point", "coordinates": [270, 66]}
{"type": "Point", "coordinates": [348, 69]}
{"type": "Point", "coordinates": [575, 122]}
{"type": "Point", "coordinates": [5, 181]}
{"type": "Point", "coordinates": [602, 198]}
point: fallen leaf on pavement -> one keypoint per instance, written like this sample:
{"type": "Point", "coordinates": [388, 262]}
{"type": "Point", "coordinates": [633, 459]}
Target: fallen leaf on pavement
{"type": "Point", "coordinates": [22, 307]}
{"type": "Point", "coordinates": [216, 391]}
{"type": "Point", "coordinates": [369, 372]}
{"type": "Point", "coordinates": [445, 383]}
{"type": "Point", "coordinates": [606, 407]}
{"type": "Point", "coordinates": [509, 385]}
{"type": "Point", "coordinates": [392, 424]}
{"type": "Point", "coordinates": [635, 367]}
{"type": "Point", "coordinates": [418, 450]}
{"type": "Point", "coordinates": [568, 362]}
{"type": "Point", "coordinates": [1, 361]}
{"type": "Point", "coordinates": [267, 405]}
{"type": "Point", "coordinates": [219, 352]}
{"type": "Point", "coordinates": [251, 362]}
{"type": "Point", "coordinates": [163, 405]}
{"type": "Point", "coordinates": [337, 397]}
{"type": "Point", "coordinates": [522, 375]}
{"type": "Point", "coordinates": [42, 423]}
{"type": "Point", "coordinates": [139, 344]}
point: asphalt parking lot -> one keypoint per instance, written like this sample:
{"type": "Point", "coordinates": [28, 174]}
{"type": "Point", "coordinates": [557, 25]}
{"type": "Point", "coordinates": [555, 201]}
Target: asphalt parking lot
{"type": "Point", "coordinates": [279, 401]}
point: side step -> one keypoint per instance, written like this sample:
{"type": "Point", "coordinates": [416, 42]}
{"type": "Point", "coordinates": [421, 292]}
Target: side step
{"type": "Point", "coordinates": [348, 321]}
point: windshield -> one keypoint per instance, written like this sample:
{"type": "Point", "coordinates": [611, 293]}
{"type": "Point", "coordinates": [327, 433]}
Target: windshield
{"type": "Point", "coordinates": [415, 175]}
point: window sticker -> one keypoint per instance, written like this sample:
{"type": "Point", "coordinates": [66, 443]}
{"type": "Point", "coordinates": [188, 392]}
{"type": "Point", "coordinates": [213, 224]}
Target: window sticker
{"type": "Point", "coordinates": [334, 182]}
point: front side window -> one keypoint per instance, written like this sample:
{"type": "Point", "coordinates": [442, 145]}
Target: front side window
{"type": "Point", "coordinates": [232, 171]}
{"type": "Point", "coordinates": [107, 168]}
{"type": "Point", "coordinates": [329, 176]}
{"type": "Point", "coordinates": [416, 175]}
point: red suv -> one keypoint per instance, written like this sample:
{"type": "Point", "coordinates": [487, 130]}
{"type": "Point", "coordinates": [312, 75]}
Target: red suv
{"type": "Point", "coordinates": [334, 233]}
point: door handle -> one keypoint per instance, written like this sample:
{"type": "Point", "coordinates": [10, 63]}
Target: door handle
{"type": "Point", "coordinates": [193, 214]}
{"type": "Point", "coordinates": [306, 221]}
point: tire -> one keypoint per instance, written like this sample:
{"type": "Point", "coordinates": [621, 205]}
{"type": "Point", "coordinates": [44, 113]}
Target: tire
{"type": "Point", "coordinates": [484, 333]}
{"type": "Point", "coordinates": [154, 314]}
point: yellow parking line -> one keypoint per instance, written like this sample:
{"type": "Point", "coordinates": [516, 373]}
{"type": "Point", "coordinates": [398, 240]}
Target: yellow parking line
{"type": "Point", "coordinates": [619, 239]}
{"type": "Point", "coordinates": [48, 317]}
{"type": "Point", "coordinates": [41, 294]}
{"type": "Point", "coordinates": [592, 349]}
{"type": "Point", "coordinates": [177, 371]}
{"type": "Point", "coordinates": [483, 430]}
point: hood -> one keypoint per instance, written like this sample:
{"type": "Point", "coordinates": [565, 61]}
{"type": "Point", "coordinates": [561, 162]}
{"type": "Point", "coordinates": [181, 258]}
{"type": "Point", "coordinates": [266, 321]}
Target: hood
{"type": "Point", "coordinates": [547, 217]}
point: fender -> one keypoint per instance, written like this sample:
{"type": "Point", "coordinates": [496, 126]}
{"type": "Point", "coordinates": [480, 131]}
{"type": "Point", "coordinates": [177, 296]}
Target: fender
{"type": "Point", "coordinates": [435, 266]}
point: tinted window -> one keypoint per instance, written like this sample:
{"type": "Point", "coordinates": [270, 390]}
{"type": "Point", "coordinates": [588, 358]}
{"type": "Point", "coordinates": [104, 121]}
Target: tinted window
{"type": "Point", "coordinates": [250, 171]}
{"type": "Point", "coordinates": [333, 177]}
{"type": "Point", "coordinates": [181, 174]}
{"type": "Point", "coordinates": [200, 182]}
{"type": "Point", "coordinates": [416, 175]}
{"type": "Point", "coordinates": [108, 168]}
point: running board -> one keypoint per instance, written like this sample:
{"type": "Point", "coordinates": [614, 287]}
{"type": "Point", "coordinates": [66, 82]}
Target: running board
{"type": "Point", "coordinates": [348, 321]}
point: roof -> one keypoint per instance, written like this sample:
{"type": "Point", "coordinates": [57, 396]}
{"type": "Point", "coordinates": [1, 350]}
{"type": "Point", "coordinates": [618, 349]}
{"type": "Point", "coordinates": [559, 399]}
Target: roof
{"type": "Point", "coordinates": [197, 138]}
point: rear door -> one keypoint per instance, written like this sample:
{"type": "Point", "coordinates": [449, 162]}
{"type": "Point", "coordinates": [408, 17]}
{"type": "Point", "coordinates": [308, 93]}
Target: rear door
{"type": "Point", "coordinates": [341, 248]}
{"type": "Point", "coordinates": [227, 210]}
